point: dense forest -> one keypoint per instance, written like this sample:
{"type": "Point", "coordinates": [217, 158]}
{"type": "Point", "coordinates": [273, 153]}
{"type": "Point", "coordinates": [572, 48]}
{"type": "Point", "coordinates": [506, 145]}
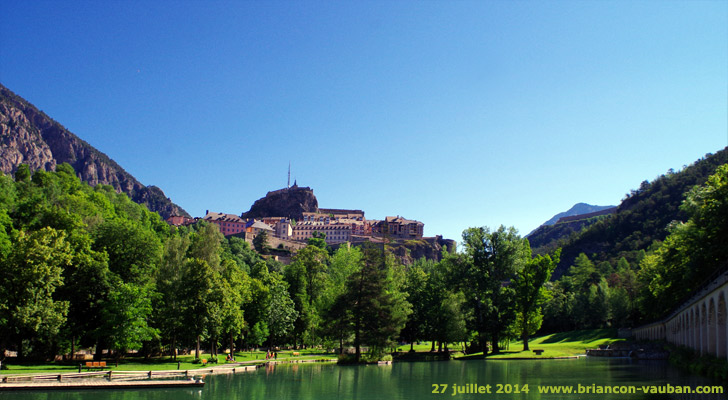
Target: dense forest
{"type": "Point", "coordinates": [85, 267]}
{"type": "Point", "coordinates": [667, 239]}
{"type": "Point", "coordinates": [641, 219]}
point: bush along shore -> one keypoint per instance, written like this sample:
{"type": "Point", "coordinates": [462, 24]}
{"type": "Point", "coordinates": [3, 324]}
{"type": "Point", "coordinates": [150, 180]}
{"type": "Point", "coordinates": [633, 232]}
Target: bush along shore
{"type": "Point", "coordinates": [706, 365]}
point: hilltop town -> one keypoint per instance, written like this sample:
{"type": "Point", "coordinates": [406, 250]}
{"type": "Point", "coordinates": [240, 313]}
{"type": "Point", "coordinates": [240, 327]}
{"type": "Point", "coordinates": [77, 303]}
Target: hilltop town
{"type": "Point", "coordinates": [290, 216]}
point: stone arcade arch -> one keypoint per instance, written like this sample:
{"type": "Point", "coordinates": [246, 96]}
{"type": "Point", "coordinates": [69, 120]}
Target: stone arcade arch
{"type": "Point", "coordinates": [701, 323]}
{"type": "Point", "coordinates": [691, 326]}
{"type": "Point", "coordinates": [711, 327]}
{"type": "Point", "coordinates": [703, 328]}
{"type": "Point", "coordinates": [722, 351]}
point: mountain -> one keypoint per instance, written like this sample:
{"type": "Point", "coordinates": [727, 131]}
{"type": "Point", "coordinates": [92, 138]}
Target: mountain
{"type": "Point", "coordinates": [641, 219]}
{"type": "Point", "coordinates": [545, 236]}
{"type": "Point", "coordinates": [577, 209]}
{"type": "Point", "coordinates": [29, 136]}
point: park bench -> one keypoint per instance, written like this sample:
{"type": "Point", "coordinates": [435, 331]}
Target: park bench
{"type": "Point", "coordinates": [95, 364]}
{"type": "Point", "coordinates": [538, 352]}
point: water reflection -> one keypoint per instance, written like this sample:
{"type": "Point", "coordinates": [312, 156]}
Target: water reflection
{"type": "Point", "coordinates": [418, 381]}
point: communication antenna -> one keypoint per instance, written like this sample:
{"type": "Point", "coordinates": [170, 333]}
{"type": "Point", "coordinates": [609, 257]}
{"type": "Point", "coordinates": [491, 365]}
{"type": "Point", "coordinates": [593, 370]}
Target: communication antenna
{"type": "Point", "coordinates": [289, 175]}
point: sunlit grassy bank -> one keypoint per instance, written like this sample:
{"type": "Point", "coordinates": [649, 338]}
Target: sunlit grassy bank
{"type": "Point", "coordinates": [555, 345]}
{"type": "Point", "coordinates": [563, 344]}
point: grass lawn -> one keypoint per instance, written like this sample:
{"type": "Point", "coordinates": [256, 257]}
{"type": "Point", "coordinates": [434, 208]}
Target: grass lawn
{"type": "Point", "coordinates": [554, 345]}
{"type": "Point", "coordinates": [158, 364]}
{"type": "Point", "coordinates": [557, 345]}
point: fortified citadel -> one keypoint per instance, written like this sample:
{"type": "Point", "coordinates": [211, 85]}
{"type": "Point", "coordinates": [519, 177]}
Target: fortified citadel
{"type": "Point", "coordinates": [290, 216]}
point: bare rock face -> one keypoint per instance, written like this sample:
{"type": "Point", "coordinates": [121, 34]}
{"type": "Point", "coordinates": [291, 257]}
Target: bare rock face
{"type": "Point", "coordinates": [290, 203]}
{"type": "Point", "coordinates": [21, 144]}
{"type": "Point", "coordinates": [28, 136]}
{"type": "Point", "coordinates": [431, 248]}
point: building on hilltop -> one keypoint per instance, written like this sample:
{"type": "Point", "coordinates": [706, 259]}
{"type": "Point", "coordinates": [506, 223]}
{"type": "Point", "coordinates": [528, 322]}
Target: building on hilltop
{"type": "Point", "coordinates": [399, 227]}
{"type": "Point", "coordinates": [254, 227]}
{"type": "Point", "coordinates": [178, 220]}
{"type": "Point", "coordinates": [335, 233]}
{"type": "Point", "coordinates": [281, 226]}
{"type": "Point", "coordinates": [342, 213]}
{"type": "Point", "coordinates": [229, 224]}
{"type": "Point", "coordinates": [333, 216]}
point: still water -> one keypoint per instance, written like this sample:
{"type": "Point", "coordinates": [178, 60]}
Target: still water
{"type": "Point", "coordinates": [475, 379]}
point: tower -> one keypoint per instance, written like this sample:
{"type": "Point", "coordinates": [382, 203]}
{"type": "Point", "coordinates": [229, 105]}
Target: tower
{"type": "Point", "coordinates": [289, 175]}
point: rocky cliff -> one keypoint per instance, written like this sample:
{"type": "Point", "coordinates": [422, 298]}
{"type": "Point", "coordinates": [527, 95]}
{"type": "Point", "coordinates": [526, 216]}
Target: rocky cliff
{"type": "Point", "coordinates": [28, 136]}
{"type": "Point", "coordinates": [290, 203]}
{"type": "Point", "coordinates": [432, 248]}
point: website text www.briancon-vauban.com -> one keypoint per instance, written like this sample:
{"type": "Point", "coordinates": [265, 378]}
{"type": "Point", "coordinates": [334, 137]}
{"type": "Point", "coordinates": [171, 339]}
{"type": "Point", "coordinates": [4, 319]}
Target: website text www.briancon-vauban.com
{"type": "Point", "coordinates": [470, 388]}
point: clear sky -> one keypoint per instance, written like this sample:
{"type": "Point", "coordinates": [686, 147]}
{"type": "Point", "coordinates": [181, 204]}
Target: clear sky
{"type": "Point", "coordinates": [454, 113]}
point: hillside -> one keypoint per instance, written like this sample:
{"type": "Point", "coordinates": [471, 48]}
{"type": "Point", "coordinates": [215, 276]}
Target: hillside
{"type": "Point", "coordinates": [577, 209]}
{"type": "Point", "coordinates": [641, 218]}
{"type": "Point", "coordinates": [563, 225]}
{"type": "Point", "coordinates": [548, 237]}
{"type": "Point", "coordinates": [29, 136]}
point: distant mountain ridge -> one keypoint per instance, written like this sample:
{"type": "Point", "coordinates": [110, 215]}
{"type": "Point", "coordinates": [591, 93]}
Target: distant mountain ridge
{"type": "Point", "coordinates": [548, 232]}
{"type": "Point", "coordinates": [577, 209]}
{"type": "Point", "coordinates": [29, 136]}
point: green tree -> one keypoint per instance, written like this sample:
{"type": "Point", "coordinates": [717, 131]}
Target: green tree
{"type": "Point", "coordinates": [450, 319]}
{"type": "Point", "coordinates": [318, 239]}
{"type": "Point", "coordinates": [491, 260]}
{"type": "Point", "coordinates": [419, 294]}
{"type": "Point", "coordinates": [531, 294]}
{"type": "Point", "coordinates": [692, 251]}
{"type": "Point", "coordinates": [583, 274]}
{"type": "Point", "coordinates": [170, 281]}
{"type": "Point", "coordinates": [260, 242]}
{"type": "Point", "coordinates": [378, 308]}
{"type": "Point", "coordinates": [134, 252]}
{"type": "Point", "coordinates": [200, 307]}
{"type": "Point", "coordinates": [345, 261]}
{"type": "Point", "coordinates": [30, 276]}
{"type": "Point", "coordinates": [239, 250]}
{"type": "Point", "coordinates": [307, 277]}
{"type": "Point", "coordinates": [126, 315]}
{"type": "Point", "coordinates": [281, 312]}
{"type": "Point", "coordinates": [206, 244]}
{"type": "Point", "coordinates": [22, 174]}
{"type": "Point", "coordinates": [87, 285]}
{"type": "Point", "coordinates": [258, 333]}
{"type": "Point", "coordinates": [237, 294]}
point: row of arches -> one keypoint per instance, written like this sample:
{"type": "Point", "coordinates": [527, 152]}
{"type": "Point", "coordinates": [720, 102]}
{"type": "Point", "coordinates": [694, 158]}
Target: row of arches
{"type": "Point", "coordinates": [702, 325]}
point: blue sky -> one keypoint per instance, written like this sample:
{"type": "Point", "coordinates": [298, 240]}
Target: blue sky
{"type": "Point", "coordinates": [456, 114]}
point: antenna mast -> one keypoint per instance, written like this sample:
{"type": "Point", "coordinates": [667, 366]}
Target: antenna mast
{"type": "Point", "coordinates": [289, 175]}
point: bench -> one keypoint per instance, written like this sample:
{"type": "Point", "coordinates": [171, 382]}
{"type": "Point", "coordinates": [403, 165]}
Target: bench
{"type": "Point", "coordinates": [95, 365]}
{"type": "Point", "coordinates": [538, 352]}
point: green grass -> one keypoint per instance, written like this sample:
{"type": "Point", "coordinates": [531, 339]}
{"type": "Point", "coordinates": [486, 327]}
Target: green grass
{"type": "Point", "coordinates": [555, 345]}
{"type": "Point", "coordinates": [158, 364]}
{"type": "Point", "coordinates": [563, 344]}
{"type": "Point", "coordinates": [422, 347]}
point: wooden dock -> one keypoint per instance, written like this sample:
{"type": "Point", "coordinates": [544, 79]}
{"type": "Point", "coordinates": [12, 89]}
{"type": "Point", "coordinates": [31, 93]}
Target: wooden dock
{"type": "Point", "coordinates": [96, 384]}
{"type": "Point", "coordinates": [131, 379]}
{"type": "Point", "coordinates": [117, 379]}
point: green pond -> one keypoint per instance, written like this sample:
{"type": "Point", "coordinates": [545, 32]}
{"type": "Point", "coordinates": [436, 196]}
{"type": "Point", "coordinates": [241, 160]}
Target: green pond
{"type": "Point", "coordinates": [474, 379]}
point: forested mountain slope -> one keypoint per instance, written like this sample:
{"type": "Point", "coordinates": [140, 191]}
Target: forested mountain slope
{"type": "Point", "coordinates": [28, 136]}
{"type": "Point", "coordinates": [641, 218]}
